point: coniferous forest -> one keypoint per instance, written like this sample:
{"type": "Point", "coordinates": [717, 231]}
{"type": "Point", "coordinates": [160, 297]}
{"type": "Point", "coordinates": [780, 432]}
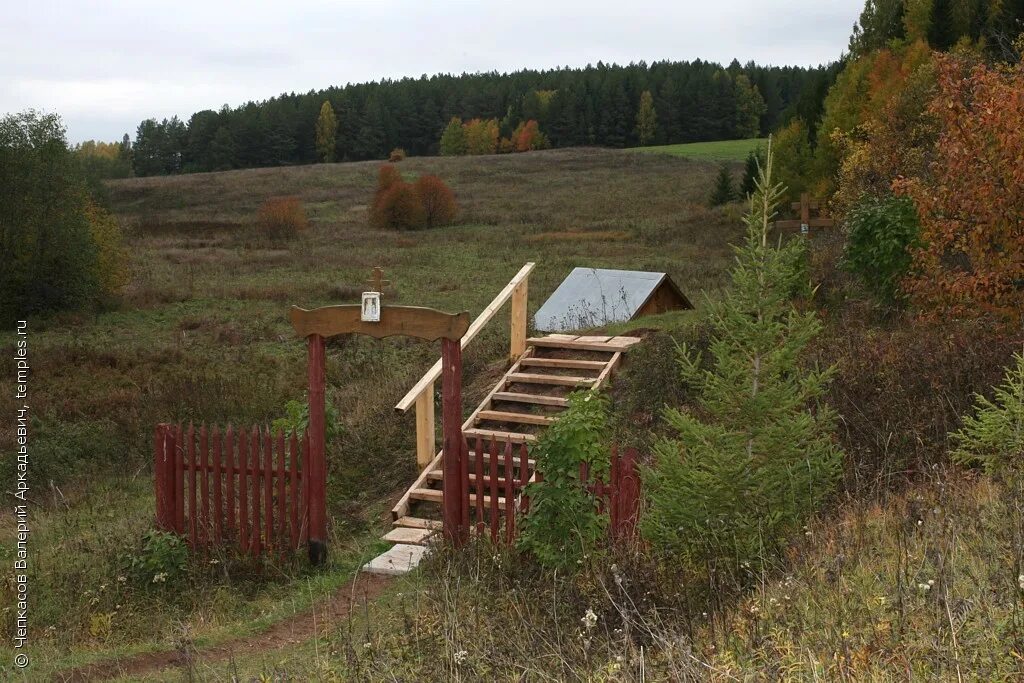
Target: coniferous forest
{"type": "Point", "coordinates": [596, 105]}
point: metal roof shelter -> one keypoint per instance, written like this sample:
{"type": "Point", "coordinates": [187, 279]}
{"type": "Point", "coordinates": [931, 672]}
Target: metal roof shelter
{"type": "Point", "coordinates": [592, 297]}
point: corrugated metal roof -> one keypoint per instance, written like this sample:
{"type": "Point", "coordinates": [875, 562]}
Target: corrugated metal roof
{"type": "Point", "coordinates": [592, 297]}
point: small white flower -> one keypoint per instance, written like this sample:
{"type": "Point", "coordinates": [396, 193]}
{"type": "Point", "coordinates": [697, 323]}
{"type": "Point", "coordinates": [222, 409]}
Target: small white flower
{"type": "Point", "coordinates": [160, 578]}
{"type": "Point", "coordinates": [1020, 581]}
{"type": "Point", "coordinates": [589, 619]}
{"type": "Point", "coordinates": [461, 656]}
{"type": "Point", "coordinates": [924, 586]}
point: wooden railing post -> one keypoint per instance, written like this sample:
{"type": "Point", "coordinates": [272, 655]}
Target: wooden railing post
{"type": "Point", "coordinates": [317, 446]}
{"type": "Point", "coordinates": [517, 327]}
{"type": "Point", "coordinates": [425, 441]}
{"type": "Point", "coordinates": [452, 453]}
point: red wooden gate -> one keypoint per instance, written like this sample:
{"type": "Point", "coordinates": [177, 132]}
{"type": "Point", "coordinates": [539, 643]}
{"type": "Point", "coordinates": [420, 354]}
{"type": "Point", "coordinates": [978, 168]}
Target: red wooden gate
{"type": "Point", "coordinates": [494, 482]}
{"type": "Point", "coordinates": [247, 486]}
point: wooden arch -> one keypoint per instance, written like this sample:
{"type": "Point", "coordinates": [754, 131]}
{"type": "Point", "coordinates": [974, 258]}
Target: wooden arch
{"type": "Point", "coordinates": [411, 321]}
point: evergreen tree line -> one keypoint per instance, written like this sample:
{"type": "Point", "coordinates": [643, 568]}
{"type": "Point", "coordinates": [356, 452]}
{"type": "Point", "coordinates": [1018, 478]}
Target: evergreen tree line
{"type": "Point", "coordinates": [596, 105]}
{"type": "Point", "coordinates": [995, 24]}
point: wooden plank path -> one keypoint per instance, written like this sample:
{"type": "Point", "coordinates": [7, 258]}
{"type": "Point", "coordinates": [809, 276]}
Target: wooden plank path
{"type": "Point", "coordinates": [527, 399]}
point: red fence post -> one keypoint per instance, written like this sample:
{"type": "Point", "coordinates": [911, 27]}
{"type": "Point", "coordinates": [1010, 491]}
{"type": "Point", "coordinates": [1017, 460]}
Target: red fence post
{"type": "Point", "coordinates": [254, 457]}
{"type": "Point", "coordinates": [179, 480]}
{"type": "Point", "coordinates": [629, 494]}
{"type": "Point", "coordinates": [510, 496]}
{"type": "Point", "coordinates": [317, 473]}
{"type": "Point", "coordinates": [451, 421]}
{"type": "Point", "coordinates": [218, 501]}
{"type": "Point", "coordinates": [492, 488]}
{"type": "Point", "coordinates": [243, 490]}
{"type": "Point", "coordinates": [229, 478]}
{"type": "Point", "coordinates": [478, 468]}
{"type": "Point", "coordinates": [163, 470]}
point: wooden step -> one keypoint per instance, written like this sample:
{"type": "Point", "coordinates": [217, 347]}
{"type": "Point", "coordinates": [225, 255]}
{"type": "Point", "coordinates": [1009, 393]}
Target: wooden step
{"type": "Point", "coordinates": [584, 343]}
{"type": "Point", "coordinates": [517, 418]}
{"type": "Point", "coordinates": [435, 496]}
{"type": "Point", "coordinates": [402, 534]}
{"type": "Point", "coordinates": [417, 523]}
{"type": "Point", "coordinates": [438, 475]}
{"type": "Point", "coordinates": [536, 399]}
{"type": "Point", "coordinates": [564, 363]}
{"type": "Point", "coordinates": [530, 462]}
{"type": "Point", "coordinates": [554, 380]}
{"type": "Point", "coordinates": [488, 434]}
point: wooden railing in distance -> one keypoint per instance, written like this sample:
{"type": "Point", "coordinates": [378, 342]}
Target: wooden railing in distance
{"type": "Point", "coordinates": [422, 394]}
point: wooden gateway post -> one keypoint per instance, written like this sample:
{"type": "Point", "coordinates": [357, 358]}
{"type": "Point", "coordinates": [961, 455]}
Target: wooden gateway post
{"type": "Point", "coordinates": [376, 320]}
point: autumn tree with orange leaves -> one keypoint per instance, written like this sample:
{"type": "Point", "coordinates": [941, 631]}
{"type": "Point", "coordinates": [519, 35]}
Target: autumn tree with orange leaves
{"type": "Point", "coordinates": [971, 203]}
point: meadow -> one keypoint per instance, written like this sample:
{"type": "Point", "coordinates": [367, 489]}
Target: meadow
{"type": "Point", "coordinates": [720, 150]}
{"type": "Point", "coordinates": [202, 334]}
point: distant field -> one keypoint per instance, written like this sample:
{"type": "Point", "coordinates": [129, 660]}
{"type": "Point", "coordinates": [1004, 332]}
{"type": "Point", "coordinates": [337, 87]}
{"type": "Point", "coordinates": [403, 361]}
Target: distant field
{"type": "Point", "coordinates": [722, 150]}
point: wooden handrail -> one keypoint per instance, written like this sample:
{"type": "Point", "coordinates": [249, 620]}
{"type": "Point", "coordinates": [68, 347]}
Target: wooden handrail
{"type": "Point", "coordinates": [485, 317]}
{"type": "Point", "coordinates": [422, 393]}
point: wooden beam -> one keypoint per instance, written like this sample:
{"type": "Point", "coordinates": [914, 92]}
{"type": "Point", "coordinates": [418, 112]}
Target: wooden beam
{"type": "Point", "coordinates": [557, 342]}
{"type": "Point", "coordinates": [511, 437]}
{"type": "Point", "coordinates": [517, 418]}
{"type": "Point", "coordinates": [554, 380]}
{"type": "Point", "coordinates": [816, 223]}
{"type": "Point", "coordinates": [478, 324]}
{"type": "Point", "coordinates": [517, 326]}
{"type": "Point", "coordinates": [513, 397]}
{"type": "Point", "coordinates": [565, 363]}
{"type": "Point", "coordinates": [425, 435]}
{"type": "Point", "coordinates": [411, 321]}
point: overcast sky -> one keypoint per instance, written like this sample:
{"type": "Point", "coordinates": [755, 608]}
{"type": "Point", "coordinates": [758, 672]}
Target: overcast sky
{"type": "Point", "coordinates": [105, 66]}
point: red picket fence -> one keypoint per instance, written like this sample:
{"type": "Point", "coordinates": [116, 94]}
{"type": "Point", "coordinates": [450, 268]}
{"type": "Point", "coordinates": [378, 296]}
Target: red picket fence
{"type": "Point", "coordinates": [244, 486]}
{"type": "Point", "coordinates": [493, 489]}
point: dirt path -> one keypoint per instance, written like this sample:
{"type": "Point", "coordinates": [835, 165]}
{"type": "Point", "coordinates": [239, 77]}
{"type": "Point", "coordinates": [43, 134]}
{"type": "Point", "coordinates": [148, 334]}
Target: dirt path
{"type": "Point", "coordinates": [293, 630]}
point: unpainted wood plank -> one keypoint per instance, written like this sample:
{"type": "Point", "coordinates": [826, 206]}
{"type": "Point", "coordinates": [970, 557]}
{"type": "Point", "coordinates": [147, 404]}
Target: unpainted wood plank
{"type": "Point", "coordinates": [436, 496]}
{"type": "Point", "coordinates": [517, 418]}
{"type": "Point", "coordinates": [512, 437]}
{"type": "Point", "coordinates": [570, 363]}
{"type": "Point", "coordinates": [401, 534]}
{"type": "Point", "coordinates": [572, 345]}
{"type": "Point", "coordinates": [595, 339]}
{"type": "Point", "coordinates": [554, 380]}
{"type": "Point", "coordinates": [418, 523]}
{"type": "Point", "coordinates": [515, 397]}
{"type": "Point", "coordinates": [400, 559]}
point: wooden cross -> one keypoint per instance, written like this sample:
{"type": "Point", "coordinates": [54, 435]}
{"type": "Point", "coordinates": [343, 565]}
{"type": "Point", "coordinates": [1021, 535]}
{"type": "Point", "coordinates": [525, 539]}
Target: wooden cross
{"type": "Point", "coordinates": [806, 223]}
{"type": "Point", "coordinates": [377, 281]}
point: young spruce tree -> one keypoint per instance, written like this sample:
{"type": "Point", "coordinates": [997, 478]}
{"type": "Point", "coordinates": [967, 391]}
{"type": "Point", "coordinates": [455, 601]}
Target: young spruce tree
{"type": "Point", "coordinates": [724, 192]}
{"type": "Point", "coordinates": [756, 455]}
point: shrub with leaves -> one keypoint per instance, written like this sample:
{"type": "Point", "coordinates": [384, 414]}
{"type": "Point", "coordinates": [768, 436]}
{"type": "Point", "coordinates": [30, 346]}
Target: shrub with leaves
{"type": "Point", "coordinates": [723, 192]}
{"type": "Point", "coordinates": [162, 560]}
{"type": "Point", "coordinates": [971, 203]}
{"type": "Point", "coordinates": [994, 436]}
{"type": "Point", "coordinates": [397, 154]}
{"type": "Point", "coordinates": [756, 455]}
{"type": "Point", "coordinates": [111, 256]}
{"type": "Point", "coordinates": [296, 419]}
{"type": "Point", "coordinates": [563, 524]}
{"type": "Point", "coordinates": [439, 207]}
{"type": "Point", "coordinates": [881, 233]}
{"type": "Point", "coordinates": [282, 218]}
{"type": "Point", "coordinates": [398, 208]}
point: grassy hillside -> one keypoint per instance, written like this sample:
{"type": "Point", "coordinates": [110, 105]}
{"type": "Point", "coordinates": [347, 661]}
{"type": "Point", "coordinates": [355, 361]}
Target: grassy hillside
{"type": "Point", "coordinates": [202, 334]}
{"type": "Point", "coordinates": [723, 150]}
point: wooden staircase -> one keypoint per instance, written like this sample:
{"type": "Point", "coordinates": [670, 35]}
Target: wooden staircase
{"type": "Point", "coordinates": [528, 398]}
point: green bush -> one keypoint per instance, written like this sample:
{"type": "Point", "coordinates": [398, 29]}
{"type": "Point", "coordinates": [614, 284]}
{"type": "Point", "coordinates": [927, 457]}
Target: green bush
{"type": "Point", "coordinates": [49, 258]}
{"type": "Point", "coordinates": [994, 436]}
{"type": "Point", "coordinates": [563, 524]}
{"type": "Point", "coordinates": [757, 455]}
{"type": "Point", "coordinates": [882, 231]}
{"type": "Point", "coordinates": [723, 192]}
{"type": "Point", "coordinates": [161, 561]}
